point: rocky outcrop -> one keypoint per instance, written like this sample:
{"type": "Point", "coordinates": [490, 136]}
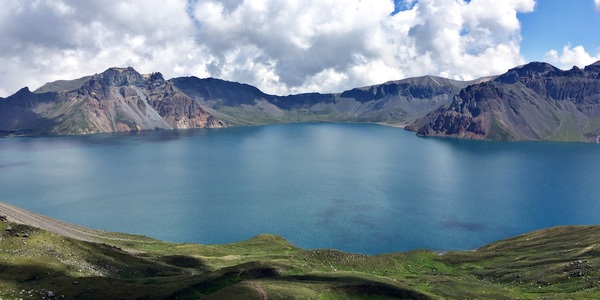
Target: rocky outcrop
{"type": "Point", "coordinates": [395, 102]}
{"type": "Point", "coordinates": [121, 99]}
{"type": "Point", "coordinates": [179, 110]}
{"type": "Point", "coordinates": [536, 101]}
{"type": "Point", "coordinates": [116, 100]}
{"type": "Point", "coordinates": [21, 113]}
{"type": "Point", "coordinates": [403, 101]}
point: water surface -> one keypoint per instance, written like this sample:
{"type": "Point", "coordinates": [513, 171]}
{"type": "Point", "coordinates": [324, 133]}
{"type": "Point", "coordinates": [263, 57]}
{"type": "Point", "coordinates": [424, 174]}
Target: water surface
{"type": "Point", "coordinates": [355, 187]}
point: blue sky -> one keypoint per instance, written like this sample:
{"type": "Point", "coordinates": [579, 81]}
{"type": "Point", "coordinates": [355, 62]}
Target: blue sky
{"type": "Point", "coordinates": [292, 46]}
{"type": "Point", "coordinates": [556, 23]}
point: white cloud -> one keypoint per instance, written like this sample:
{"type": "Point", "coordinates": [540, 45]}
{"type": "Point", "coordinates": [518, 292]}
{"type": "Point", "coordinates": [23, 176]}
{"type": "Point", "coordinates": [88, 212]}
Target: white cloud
{"type": "Point", "coordinates": [49, 40]}
{"type": "Point", "coordinates": [597, 4]}
{"type": "Point", "coordinates": [351, 43]}
{"type": "Point", "coordinates": [466, 40]}
{"type": "Point", "coordinates": [571, 56]}
{"type": "Point", "coordinates": [280, 46]}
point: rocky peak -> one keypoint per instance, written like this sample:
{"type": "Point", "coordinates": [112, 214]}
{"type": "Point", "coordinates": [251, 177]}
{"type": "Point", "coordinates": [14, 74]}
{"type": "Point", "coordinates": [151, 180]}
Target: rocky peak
{"type": "Point", "coordinates": [424, 87]}
{"type": "Point", "coordinates": [593, 68]}
{"type": "Point", "coordinates": [536, 67]}
{"type": "Point", "coordinates": [156, 76]}
{"type": "Point", "coordinates": [122, 77]}
{"type": "Point", "coordinates": [154, 79]}
{"type": "Point", "coordinates": [530, 70]}
{"type": "Point", "coordinates": [23, 91]}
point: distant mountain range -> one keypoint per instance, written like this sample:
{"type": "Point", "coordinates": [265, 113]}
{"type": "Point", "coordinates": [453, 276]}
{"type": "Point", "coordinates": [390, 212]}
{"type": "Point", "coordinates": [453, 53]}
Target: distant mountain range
{"type": "Point", "coordinates": [533, 102]}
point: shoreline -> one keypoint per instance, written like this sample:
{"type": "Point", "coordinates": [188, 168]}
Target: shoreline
{"type": "Point", "coordinates": [25, 217]}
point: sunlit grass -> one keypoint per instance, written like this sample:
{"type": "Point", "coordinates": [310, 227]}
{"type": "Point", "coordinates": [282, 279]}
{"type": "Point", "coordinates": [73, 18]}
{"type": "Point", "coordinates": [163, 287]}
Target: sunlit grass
{"type": "Point", "coordinates": [557, 263]}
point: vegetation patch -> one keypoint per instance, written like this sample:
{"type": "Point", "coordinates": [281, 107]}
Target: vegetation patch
{"type": "Point", "coordinates": [556, 263]}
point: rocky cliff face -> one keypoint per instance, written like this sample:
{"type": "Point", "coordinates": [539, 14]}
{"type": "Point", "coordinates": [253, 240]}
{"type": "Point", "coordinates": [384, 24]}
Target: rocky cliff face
{"type": "Point", "coordinates": [533, 102]}
{"type": "Point", "coordinates": [121, 99]}
{"type": "Point", "coordinates": [403, 101]}
{"type": "Point", "coordinates": [117, 100]}
{"type": "Point", "coordinates": [21, 113]}
{"type": "Point", "coordinates": [397, 102]}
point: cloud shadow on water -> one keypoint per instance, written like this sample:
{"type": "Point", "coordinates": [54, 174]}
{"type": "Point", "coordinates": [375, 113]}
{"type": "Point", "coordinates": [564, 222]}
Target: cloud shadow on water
{"type": "Point", "coordinates": [454, 224]}
{"type": "Point", "coordinates": [13, 165]}
{"type": "Point", "coordinates": [351, 212]}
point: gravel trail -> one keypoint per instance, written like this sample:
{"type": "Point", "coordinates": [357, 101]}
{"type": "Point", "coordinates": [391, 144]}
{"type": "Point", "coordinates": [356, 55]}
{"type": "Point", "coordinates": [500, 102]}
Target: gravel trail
{"type": "Point", "coordinates": [22, 216]}
{"type": "Point", "coordinates": [261, 291]}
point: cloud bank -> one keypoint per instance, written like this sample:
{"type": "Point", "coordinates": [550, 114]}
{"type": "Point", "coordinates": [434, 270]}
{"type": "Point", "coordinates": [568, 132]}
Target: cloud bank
{"type": "Point", "coordinates": [279, 46]}
{"type": "Point", "coordinates": [571, 56]}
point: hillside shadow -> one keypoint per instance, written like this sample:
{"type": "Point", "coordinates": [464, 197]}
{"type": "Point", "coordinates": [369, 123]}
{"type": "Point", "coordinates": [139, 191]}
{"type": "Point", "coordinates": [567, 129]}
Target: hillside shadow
{"type": "Point", "coordinates": [357, 286]}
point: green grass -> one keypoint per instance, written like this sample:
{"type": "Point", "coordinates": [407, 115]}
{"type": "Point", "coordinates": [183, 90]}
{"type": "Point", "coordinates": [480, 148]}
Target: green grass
{"type": "Point", "coordinates": [557, 263]}
{"type": "Point", "coordinates": [498, 132]}
{"type": "Point", "coordinates": [253, 115]}
{"type": "Point", "coordinates": [568, 131]}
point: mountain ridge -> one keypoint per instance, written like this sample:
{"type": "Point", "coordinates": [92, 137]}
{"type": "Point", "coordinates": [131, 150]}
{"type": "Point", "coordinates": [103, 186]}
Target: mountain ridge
{"type": "Point", "coordinates": [250, 106]}
{"type": "Point", "coordinates": [116, 100]}
{"type": "Point", "coordinates": [122, 99]}
{"type": "Point", "coordinates": [535, 101]}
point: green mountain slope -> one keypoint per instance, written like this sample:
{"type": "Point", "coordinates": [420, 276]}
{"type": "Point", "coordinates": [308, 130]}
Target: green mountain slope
{"type": "Point", "coordinates": [397, 102]}
{"type": "Point", "coordinates": [556, 263]}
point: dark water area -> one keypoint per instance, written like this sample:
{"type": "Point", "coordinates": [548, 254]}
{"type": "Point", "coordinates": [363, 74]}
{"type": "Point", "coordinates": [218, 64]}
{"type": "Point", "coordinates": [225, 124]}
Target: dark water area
{"type": "Point", "coordinates": [354, 187]}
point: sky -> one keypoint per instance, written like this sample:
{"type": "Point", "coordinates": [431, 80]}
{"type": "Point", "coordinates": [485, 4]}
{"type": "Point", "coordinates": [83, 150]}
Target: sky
{"type": "Point", "coordinates": [294, 46]}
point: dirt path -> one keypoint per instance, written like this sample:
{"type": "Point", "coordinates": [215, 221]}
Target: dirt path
{"type": "Point", "coordinates": [260, 290]}
{"type": "Point", "coordinates": [22, 216]}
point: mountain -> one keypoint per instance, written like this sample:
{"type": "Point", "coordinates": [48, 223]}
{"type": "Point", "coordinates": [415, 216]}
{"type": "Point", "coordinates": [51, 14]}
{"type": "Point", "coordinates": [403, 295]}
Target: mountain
{"type": "Point", "coordinates": [118, 99]}
{"type": "Point", "coordinates": [396, 102]}
{"type": "Point", "coordinates": [121, 99]}
{"type": "Point", "coordinates": [536, 101]}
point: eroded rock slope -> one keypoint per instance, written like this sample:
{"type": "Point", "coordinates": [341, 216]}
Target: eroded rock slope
{"type": "Point", "coordinates": [536, 101]}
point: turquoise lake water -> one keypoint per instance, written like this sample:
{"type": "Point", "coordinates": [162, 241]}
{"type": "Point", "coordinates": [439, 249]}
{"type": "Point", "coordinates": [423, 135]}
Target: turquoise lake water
{"type": "Point", "coordinates": [354, 187]}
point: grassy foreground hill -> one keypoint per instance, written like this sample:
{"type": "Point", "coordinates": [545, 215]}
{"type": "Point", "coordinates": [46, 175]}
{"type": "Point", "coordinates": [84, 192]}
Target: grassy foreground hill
{"type": "Point", "coordinates": [36, 262]}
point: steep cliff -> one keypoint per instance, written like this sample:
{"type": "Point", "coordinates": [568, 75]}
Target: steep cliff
{"type": "Point", "coordinates": [396, 102]}
{"type": "Point", "coordinates": [117, 100]}
{"type": "Point", "coordinates": [536, 101]}
{"type": "Point", "coordinates": [400, 102]}
{"type": "Point", "coordinates": [121, 99]}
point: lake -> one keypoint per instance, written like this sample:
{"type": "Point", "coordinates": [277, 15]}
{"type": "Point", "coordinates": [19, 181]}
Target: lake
{"type": "Point", "coordinates": [355, 187]}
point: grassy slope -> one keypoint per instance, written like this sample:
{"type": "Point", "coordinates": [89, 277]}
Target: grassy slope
{"type": "Point", "coordinates": [250, 115]}
{"type": "Point", "coordinates": [557, 263]}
